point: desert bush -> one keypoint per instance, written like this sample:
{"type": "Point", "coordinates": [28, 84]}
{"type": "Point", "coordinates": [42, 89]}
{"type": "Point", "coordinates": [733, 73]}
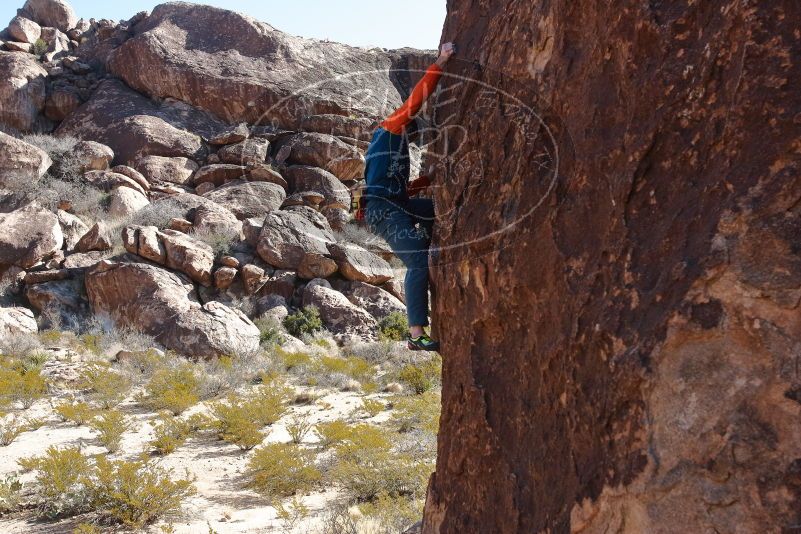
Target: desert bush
{"type": "Point", "coordinates": [39, 48]}
{"type": "Point", "coordinates": [282, 469]}
{"type": "Point", "coordinates": [170, 433]}
{"type": "Point", "coordinates": [292, 514]}
{"type": "Point", "coordinates": [10, 429]}
{"type": "Point", "coordinates": [351, 366]}
{"type": "Point", "coordinates": [298, 427]}
{"type": "Point", "coordinates": [392, 514]}
{"type": "Point", "coordinates": [375, 353]}
{"type": "Point", "coordinates": [63, 481]}
{"type": "Point", "coordinates": [393, 327]}
{"type": "Point", "coordinates": [332, 433]}
{"type": "Point", "coordinates": [420, 412]}
{"type": "Point", "coordinates": [10, 494]}
{"type": "Point", "coordinates": [422, 377]}
{"type": "Point", "coordinates": [372, 407]}
{"type": "Point", "coordinates": [221, 242]}
{"type": "Point", "coordinates": [140, 366]}
{"type": "Point", "coordinates": [269, 330]}
{"type": "Point", "coordinates": [110, 426]}
{"type": "Point", "coordinates": [106, 387]}
{"type": "Point", "coordinates": [174, 389]}
{"type": "Point", "coordinates": [366, 466]}
{"type": "Point", "coordinates": [136, 493]}
{"type": "Point", "coordinates": [80, 413]}
{"type": "Point", "coordinates": [303, 321]}
{"type": "Point", "coordinates": [21, 382]}
{"type": "Point", "coordinates": [20, 345]}
{"type": "Point", "coordinates": [291, 361]}
{"type": "Point", "coordinates": [338, 520]}
{"type": "Point", "coordinates": [66, 165]}
{"type": "Point", "coordinates": [237, 424]}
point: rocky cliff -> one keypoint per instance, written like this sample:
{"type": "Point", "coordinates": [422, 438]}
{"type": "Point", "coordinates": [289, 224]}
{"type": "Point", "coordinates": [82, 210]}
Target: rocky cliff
{"type": "Point", "coordinates": [619, 285]}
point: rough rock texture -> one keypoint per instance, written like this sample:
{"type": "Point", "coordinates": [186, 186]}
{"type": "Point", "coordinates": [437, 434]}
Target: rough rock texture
{"type": "Point", "coordinates": [219, 173]}
{"type": "Point", "coordinates": [175, 170]}
{"type": "Point", "coordinates": [53, 13]}
{"type": "Point", "coordinates": [124, 202]}
{"type": "Point", "coordinates": [338, 314]}
{"type": "Point", "coordinates": [173, 249]}
{"type": "Point", "coordinates": [24, 30]}
{"type": "Point", "coordinates": [251, 151]}
{"type": "Point", "coordinates": [15, 321]}
{"type": "Point", "coordinates": [286, 239]}
{"type": "Point", "coordinates": [30, 234]}
{"type": "Point", "coordinates": [72, 227]}
{"type": "Point", "coordinates": [22, 90]}
{"type": "Point", "coordinates": [306, 178]}
{"type": "Point", "coordinates": [244, 70]}
{"type": "Point", "coordinates": [248, 199]}
{"type": "Point", "coordinates": [357, 263]}
{"type": "Point", "coordinates": [376, 301]}
{"type": "Point", "coordinates": [133, 125]}
{"type": "Point", "coordinates": [92, 156]}
{"type": "Point", "coordinates": [21, 161]}
{"type": "Point", "coordinates": [163, 304]}
{"type": "Point", "coordinates": [623, 356]}
{"type": "Point", "coordinates": [61, 303]}
{"type": "Point", "coordinates": [326, 152]}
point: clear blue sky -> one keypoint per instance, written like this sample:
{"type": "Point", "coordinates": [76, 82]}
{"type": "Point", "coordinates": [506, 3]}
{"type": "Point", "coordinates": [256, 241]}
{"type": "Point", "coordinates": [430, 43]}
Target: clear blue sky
{"type": "Point", "coordinates": [385, 23]}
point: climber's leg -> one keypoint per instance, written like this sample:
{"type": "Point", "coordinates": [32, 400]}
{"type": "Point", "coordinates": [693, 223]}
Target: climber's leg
{"type": "Point", "coordinates": [410, 244]}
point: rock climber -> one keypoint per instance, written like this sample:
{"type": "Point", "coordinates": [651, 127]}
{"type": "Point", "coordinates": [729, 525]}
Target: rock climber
{"type": "Point", "coordinates": [405, 223]}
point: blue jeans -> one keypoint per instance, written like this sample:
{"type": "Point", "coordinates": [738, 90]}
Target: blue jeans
{"type": "Point", "coordinates": [407, 225]}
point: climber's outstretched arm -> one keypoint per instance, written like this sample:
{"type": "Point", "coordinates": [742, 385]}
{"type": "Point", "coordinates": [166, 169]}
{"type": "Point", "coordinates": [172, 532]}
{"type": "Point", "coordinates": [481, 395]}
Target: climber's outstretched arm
{"type": "Point", "coordinates": [404, 114]}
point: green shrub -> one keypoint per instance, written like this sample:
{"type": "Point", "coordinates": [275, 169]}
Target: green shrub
{"type": "Point", "coordinates": [39, 47]}
{"type": "Point", "coordinates": [21, 383]}
{"type": "Point", "coordinates": [11, 429]}
{"type": "Point", "coordinates": [137, 493]}
{"type": "Point", "coordinates": [110, 426]}
{"type": "Point", "coordinates": [332, 432]}
{"type": "Point", "coordinates": [366, 466]}
{"type": "Point", "coordinates": [237, 424]}
{"type": "Point", "coordinates": [372, 407]}
{"type": "Point", "coordinates": [298, 427]}
{"type": "Point", "coordinates": [79, 413]}
{"type": "Point", "coordinates": [291, 515]}
{"type": "Point", "coordinates": [10, 494]}
{"type": "Point", "coordinates": [291, 360]}
{"type": "Point", "coordinates": [108, 388]}
{"type": "Point", "coordinates": [420, 412]}
{"type": "Point", "coordinates": [352, 366]}
{"type": "Point", "coordinates": [304, 321]}
{"type": "Point", "coordinates": [282, 469]}
{"type": "Point", "coordinates": [393, 327]}
{"type": "Point", "coordinates": [63, 481]}
{"type": "Point", "coordinates": [269, 330]}
{"type": "Point", "coordinates": [173, 389]}
{"type": "Point", "coordinates": [422, 377]}
{"type": "Point", "coordinates": [392, 514]}
{"type": "Point", "coordinates": [170, 433]}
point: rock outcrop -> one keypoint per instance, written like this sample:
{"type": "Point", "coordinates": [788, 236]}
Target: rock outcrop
{"type": "Point", "coordinates": [29, 235]}
{"type": "Point", "coordinates": [243, 70]}
{"type": "Point", "coordinates": [163, 304]}
{"type": "Point", "coordinates": [21, 161]}
{"type": "Point", "coordinates": [22, 90]}
{"type": "Point", "coordinates": [618, 284]}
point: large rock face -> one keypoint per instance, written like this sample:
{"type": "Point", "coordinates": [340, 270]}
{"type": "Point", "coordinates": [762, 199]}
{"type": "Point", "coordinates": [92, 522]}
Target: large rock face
{"type": "Point", "coordinates": [29, 235]}
{"type": "Point", "coordinates": [22, 90]}
{"type": "Point", "coordinates": [21, 161]}
{"type": "Point", "coordinates": [622, 355]}
{"type": "Point", "coordinates": [164, 305]}
{"type": "Point", "coordinates": [244, 70]}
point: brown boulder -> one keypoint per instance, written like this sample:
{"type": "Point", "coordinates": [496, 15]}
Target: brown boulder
{"type": "Point", "coordinates": [224, 277]}
{"type": "Point", "coordinates": [97, 238]}
{"type": "Point", "coordinates": [265, 173]}
{"type": "Point", "coordinates": [135, 126]}
{"type": "Point", "coordinates": [173, 249]}
{"type": "Point", "coordinates": [357, 263]}
{"type": "Point", "coordinates": [339, 315]}
{"type": "Point", "coordinates": [287, 238]}
{"type": "Point", "coordinates": [163, 304]}
{"type": "Point", "coordinates": [235, 134]}
{"type": "Point", "coordinates": [339, 125]}
{"type": "Point", "coordinates": [108, 180]}
{"type": "Point", "coordinates": [29, 235]}
{"type": "Point", "coordinates": [61, 102]}
{"type": "Point", "coordinates": [249, 152]}
{"type": "Point", "coordinates": [24, 30]}
{"type": "Point", "coordinates": [72, 227]}
{"type": "Point", "coordinates": [248, 199]}
{"type": "Point", "coordinates": [376, 301]}
{"type": "Point", "coordinates": [259, 83]}
{"type": "Point", "coordinates": [175, 170]}
{"type": "Point", "coordinates": [124, 202]}
{"type": "Point", "coordinates": [133, 174]}
{"type": "Point", "coordinates": [219, 173]}
{"type": "Point", "coordinates": [22, 90]}
{"type": "Point", "coordinates": [15, 321]}
{"type": "Point", "coordinates": [53, 13]}
{"type": "Point", "coordinates": [326, 152]}
{"type": "Point", "coordinates": [61, 303]}
{"type": "Point", "coordinates": [21, 162]}
{"type": "Point", "coordinates": [92, 156]}
{"type": "Point", "coordinates": [305, 178]}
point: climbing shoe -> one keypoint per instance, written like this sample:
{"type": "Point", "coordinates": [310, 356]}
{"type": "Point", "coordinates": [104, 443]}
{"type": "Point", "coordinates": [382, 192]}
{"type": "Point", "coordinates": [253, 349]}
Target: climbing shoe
{"type": "Point", "coordinates": [421, 343]}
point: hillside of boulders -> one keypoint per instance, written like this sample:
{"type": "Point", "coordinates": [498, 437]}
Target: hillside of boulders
{"type": "Point", "coordinates": [186, 171]}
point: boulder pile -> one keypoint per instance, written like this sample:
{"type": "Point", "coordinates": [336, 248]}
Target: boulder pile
{"type": "Point", "coordinates": [223, 163]}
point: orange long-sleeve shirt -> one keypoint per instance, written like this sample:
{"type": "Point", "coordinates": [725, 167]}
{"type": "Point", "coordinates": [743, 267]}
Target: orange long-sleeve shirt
{"type": "Point", "coordinates": [404, 114]}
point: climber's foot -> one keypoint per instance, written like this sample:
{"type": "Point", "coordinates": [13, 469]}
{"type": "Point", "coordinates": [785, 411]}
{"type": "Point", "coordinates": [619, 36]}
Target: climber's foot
{"type": "Point", "coordinates": [422, 342]}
